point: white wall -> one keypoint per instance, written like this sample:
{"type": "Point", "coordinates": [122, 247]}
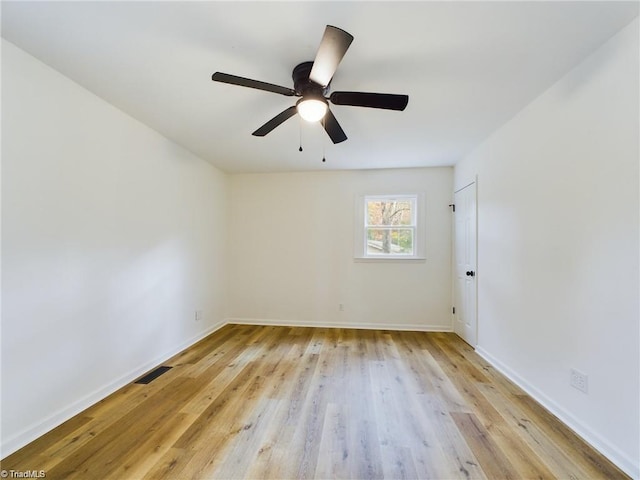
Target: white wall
{"type": "Point", "coordinates": [558, 218]}
{"type": "Point", "coordinates": [112, 237]}
{"type": "Point", "coordinates": [292, 253]}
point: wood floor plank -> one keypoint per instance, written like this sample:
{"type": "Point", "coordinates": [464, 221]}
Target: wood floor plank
{"type": "Point", "coordinates": [107, 412]}
{"type": "Point", "coordinates": [246, 444]}
{"type": "Point", "coordinates": [104, 452]}
{"type": "Point", "coordinates": [590, 460]}
{"type": "Point", "coordinates": [457, 453]}
{"type": "Point", "coordinates": [147, 452]}
{"type": "Point", "coordinates": [450, 360]}
{"type": "Point", "coordinates": [496, 378]}
{"type": "Point", "coordinates": [36, 453]}
{"type": "Point", "coordinates": [170, 465]}
{"type": "Point", "coordinates": [517, 451]}
{"type": "Point", "coordinates": [428, 373]}
{"type": "Point", "coordinates": [365, 459]}
{"type": "Point", "coordinates": [559, 460]}
{"type": "Point", "coordinates": [399, 427]}
{"type": "Point", "coordinates": [274, 451]}
{"type": "Point", "coordinates": [333, 450]}
{"type": "Point", "coordinates": [225, 373]}
{"type": "Point", "coordinates": [194, 354]}
{"type": "Point", "coordinates": [491, 458]}
{"type": "Point", "coordinates": [306, 434]}
{"type": "Point", "coordinates": [229, 415]}
{"type": "Point", "coordinates": [293, 402]}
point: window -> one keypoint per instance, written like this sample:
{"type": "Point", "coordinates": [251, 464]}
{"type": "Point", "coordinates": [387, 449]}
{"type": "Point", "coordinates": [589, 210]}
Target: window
{"type": "Point", "coordinates": [388, 226]}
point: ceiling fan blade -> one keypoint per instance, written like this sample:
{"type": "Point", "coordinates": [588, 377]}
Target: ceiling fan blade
{"type": "Point", "coordinates": [247, 82]}
{"type": "Point", "coordinates": [275, 121]}
{"type": "Point", "coordinates": [333, 46]}
{"type": "Point", "coordinates": [387, 101]}
{"type": "Point", "coordinates": [333, 128]}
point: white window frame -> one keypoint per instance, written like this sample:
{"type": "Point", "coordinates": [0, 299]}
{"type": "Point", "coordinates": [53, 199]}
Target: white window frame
{"type": "Point", "coordinates": [418, 227]}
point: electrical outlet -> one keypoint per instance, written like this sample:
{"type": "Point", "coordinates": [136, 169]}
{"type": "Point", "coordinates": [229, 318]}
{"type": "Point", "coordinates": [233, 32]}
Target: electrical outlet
{"type": "Point", "coordinates": [579, 380]}
{"type": "Point", "coordinates": [341, 307]}
{"type": "Point", "coordinates": [198, 315]}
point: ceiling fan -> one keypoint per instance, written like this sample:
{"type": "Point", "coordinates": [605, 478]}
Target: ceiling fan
{"type": "Point", "coordinates": [311, 82]}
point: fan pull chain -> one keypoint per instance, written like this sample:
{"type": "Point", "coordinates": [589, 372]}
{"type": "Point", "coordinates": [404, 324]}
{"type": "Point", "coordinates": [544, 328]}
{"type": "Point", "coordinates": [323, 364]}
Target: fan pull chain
{"type": "Point", "coordinates": [323, 140]}
{"type": "Point", "coordinates": [300, 124]}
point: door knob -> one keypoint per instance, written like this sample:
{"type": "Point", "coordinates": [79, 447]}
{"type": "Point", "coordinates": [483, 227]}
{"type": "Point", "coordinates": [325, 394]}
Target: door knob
{"type": "Point", "coordinates": [471, 274]}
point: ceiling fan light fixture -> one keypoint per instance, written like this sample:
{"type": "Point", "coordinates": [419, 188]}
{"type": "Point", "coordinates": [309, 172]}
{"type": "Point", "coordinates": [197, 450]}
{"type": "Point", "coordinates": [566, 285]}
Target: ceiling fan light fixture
{"type": "Point", "coordinates": [312, 109]}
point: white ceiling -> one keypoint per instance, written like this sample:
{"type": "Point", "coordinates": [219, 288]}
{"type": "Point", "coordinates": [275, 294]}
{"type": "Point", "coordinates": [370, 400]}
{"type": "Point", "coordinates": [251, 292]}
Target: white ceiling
{"type": "Point", "coordinates": [467, 67]}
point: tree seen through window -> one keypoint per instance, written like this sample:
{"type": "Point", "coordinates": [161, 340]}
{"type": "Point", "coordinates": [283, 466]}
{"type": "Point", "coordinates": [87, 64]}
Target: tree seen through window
{"type": "Point", "coordinates": [390, 225]}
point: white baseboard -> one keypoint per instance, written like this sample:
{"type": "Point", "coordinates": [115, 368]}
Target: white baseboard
{"type": "Point", "coordinates": [596, 441]}
{"type": "Point", "coordinates": [360, 326]}
{"type": "Point", "coordinates": [41, 427]}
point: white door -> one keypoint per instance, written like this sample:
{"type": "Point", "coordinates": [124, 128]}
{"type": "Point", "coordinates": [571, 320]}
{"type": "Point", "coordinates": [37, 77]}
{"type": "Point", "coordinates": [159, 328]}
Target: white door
{"type": "Point", "coordinates": [465, 321]}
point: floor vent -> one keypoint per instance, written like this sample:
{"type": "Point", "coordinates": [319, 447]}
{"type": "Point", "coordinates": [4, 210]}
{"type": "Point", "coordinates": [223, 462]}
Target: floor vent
{"type": "Point", "coordinates": [151, 376]}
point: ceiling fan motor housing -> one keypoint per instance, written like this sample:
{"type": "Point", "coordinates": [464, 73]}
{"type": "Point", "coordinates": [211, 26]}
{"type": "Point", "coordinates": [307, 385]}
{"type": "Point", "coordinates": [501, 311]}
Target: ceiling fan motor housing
{"type": "Point", "coordinates": [305, 87]}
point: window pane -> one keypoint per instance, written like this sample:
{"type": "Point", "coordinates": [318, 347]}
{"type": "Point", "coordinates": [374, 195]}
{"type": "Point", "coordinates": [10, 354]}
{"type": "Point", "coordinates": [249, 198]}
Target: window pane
{"type": "Point", "coordinates": [389, 241]}
{"type": "Point", "coordinates": [390, 212]}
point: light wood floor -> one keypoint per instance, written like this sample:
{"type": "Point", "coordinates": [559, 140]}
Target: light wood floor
{"type": "Point", "coordinates": [279, 402]}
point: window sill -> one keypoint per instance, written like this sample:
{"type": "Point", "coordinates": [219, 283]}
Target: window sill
{"type": "Point", "coordinates": [390, 259]}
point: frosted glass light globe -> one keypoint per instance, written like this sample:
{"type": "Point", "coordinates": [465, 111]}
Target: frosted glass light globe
{"type": "Point", "coordinates": [312, 109]}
